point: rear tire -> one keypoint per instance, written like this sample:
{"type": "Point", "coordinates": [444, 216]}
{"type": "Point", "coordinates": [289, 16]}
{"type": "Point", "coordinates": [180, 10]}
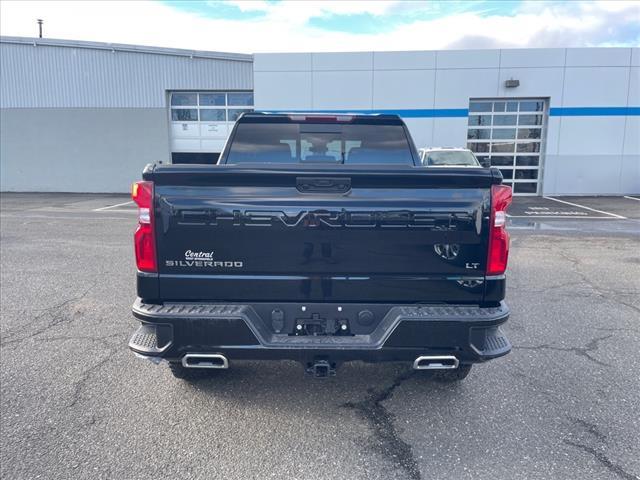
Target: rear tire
{"type": "Point", "coordinates": [188, 374]}
{"type": "Point", "coordinates": [450, 376]}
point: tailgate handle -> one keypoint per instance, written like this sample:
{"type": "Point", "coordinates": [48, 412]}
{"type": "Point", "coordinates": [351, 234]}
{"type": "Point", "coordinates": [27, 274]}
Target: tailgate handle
{"type": "Point", "coordinates": [323, 184]}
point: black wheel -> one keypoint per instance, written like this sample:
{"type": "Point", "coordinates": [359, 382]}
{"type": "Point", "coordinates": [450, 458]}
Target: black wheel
{"type": "Point", "coordinates": [189, 374]}
{"type": "Point", "coordinates": [456, 375]}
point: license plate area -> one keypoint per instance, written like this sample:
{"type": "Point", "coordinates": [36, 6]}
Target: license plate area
{"type": "Point", "coordinates": [316, 325]}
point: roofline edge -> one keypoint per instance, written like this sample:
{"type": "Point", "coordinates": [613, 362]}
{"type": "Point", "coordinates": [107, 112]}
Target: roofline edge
{"type": "Point", "coordinates": [121, 47]}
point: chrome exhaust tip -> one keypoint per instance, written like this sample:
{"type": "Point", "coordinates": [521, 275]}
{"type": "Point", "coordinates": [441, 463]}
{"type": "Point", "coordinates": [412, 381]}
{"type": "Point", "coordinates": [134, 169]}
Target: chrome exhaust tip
{"type": "Point", "coordinates": [205, 360]}
{"type": "Point", "coordinates": [439, 362]}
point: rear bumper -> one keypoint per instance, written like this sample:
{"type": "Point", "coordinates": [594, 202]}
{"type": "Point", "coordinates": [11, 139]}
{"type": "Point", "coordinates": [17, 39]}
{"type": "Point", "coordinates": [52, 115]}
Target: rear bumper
{"type": "Point", "coordinates": [240, 332]}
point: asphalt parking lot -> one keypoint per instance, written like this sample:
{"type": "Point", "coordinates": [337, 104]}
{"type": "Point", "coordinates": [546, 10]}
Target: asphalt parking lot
{"type": "Point", "coordinates": [75, 403]}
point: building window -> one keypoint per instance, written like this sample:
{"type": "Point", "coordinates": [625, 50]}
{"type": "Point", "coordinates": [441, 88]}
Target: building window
{"type": "Point", "coordinates": [213, 99]}
{"type": "Point", "coordinates": [244, 99]}
{"type": "Point", "coordinates": [201, 121]}
{"type": "Point", "coordinates": [209, 106]}
{"type": "Point", "coordinates": [510, 133]}
{"type": "Point", "coordinates": [181, 99]}
{"type": "Point", "coordinates": [184, 114]}
{"type": "Point", "coordinates": [213, 115]}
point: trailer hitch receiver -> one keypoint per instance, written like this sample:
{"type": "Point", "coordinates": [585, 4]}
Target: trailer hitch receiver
{"type": "Point", "coordinates": [321, 369]}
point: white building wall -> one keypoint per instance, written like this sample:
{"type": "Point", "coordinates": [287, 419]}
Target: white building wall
{"type": "Point", "coordinates": [595, 150]}
{"type": "Point", "coordinates": [45, 73]}
{"type": "Point", "coordinates": [87, 117]}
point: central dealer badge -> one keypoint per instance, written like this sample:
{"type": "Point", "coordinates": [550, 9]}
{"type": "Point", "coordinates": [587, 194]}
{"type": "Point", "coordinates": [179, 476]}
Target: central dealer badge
{"type": "Point", "coordinates": [202, 260]}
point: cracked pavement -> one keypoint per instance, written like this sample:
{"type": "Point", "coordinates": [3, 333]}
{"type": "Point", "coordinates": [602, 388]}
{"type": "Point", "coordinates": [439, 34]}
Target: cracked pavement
{"type": "Point", "coordinates": [75, 403]}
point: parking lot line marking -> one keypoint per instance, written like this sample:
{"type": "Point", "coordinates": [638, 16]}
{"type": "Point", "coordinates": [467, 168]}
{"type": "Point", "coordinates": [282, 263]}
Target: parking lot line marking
{"type": "Point", "coordinates": [532, 217]}
{"type": "Point", "coordinates": [112, 206]}
{"type": "Point", "coordinates": [61, 217]}
{"type": "Point", "coordinates": [586, 208]}
{"type": "Point", "coordinates": [632, 198]}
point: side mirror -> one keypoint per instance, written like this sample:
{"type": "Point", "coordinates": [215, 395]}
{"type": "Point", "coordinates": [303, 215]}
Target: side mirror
{"type": "Point", "coordinates": [485, 162]}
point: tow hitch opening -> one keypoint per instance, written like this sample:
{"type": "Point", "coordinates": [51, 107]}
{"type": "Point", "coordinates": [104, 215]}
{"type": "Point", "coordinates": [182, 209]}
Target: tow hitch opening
{"type": "Point", "coordinates": [321, 369]}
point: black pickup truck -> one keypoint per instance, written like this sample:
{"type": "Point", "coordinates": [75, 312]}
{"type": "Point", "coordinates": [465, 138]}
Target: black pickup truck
{"type": "Point", "coordinates": [321, 239]}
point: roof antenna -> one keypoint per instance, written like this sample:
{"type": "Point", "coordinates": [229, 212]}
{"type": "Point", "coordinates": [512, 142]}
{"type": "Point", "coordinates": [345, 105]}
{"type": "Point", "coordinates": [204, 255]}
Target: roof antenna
{"type": "Point", "coordinates": [40, 22]}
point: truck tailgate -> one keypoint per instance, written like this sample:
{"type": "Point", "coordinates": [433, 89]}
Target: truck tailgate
{"type": "Point", "coordinates": [229, 233]}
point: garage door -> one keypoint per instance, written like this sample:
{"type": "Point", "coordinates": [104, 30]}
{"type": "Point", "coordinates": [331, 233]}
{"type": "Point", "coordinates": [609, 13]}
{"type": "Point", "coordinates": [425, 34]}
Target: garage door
{"type": "Point", "coordinates": [201, 121]}
{"type": "Point", "coordinates": [510, 133]}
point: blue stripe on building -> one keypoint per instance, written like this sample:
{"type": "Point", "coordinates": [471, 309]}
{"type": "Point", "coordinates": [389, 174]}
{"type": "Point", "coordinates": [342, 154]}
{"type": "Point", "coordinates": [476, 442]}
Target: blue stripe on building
{"type": "Point", "coordinates": [593, 111]}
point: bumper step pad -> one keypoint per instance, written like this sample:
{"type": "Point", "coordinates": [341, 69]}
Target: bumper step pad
{"type": "Point", "coordinates": [146, 339]}
{"type": "Point", "coordinates": [490, 342]}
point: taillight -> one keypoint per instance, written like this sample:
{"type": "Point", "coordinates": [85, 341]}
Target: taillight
{"type": "Point", "coordinates": [144, 239]}
{"type": "Point", "coordinates": [498, 236]}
